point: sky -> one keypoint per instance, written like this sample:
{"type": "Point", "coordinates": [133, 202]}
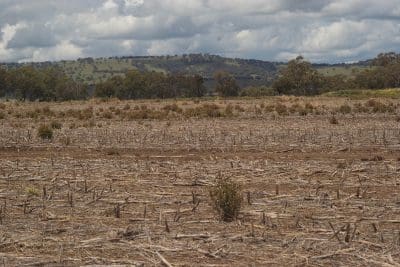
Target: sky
{"type": "Point", "coordinates": [276, 30]}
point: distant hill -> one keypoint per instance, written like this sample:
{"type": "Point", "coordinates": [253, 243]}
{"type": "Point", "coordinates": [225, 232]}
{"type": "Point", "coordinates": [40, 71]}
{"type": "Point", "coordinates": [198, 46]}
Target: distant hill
{"type": "Point", "coordinates": [246, 71]}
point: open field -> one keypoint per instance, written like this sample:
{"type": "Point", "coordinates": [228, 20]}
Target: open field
{"type": "Point", "coordinates": [127, 182]}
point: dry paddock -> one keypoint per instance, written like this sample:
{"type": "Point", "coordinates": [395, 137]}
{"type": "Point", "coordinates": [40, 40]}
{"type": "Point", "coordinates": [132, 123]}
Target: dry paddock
{"type": "Point", "coordinates": [118, 191]}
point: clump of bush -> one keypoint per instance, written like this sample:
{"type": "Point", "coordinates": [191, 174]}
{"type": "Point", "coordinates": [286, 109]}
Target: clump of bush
{"type": "Point", "coordinates": [358, 107]}
{"type": "Point", "coordinates": [146, 114]}
{"type": "Point", "coordinates": [107, 115]}
{"type": "Point", "coordinates": [345, 109]}
{"type": "Point", "coordinates": [229, 110]}
{"type": "Point", "coordinates": [173, 107]}
{"type": "Point", "coordinates": [379, 107]}
{"type": "Point", "coordinates": [333, 120]}
{"type": "Point", "coordinates": [281, 109]}
{"type": "Point", "coordinates": [47, 111]}
{"type": "Point", "coordinates": [84, 114]}
{"type": "Point", "coordinates": [239, 108]}
{"type": "Point", "coordinates": [56, 125]}
{"type": "Point", "coordinates": [205, 110]}
{"type": "Point", "coordinates": [226, 197]}
{"type": "Point", "coordinates": [45, 132]}
{"type": "Point", "coordinates": [32, 191]}
{"type": "Point", "coordinates": [2, 115]}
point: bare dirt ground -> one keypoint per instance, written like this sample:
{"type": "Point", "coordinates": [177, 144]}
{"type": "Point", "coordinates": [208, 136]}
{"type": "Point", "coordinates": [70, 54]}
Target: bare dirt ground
{"type": "Point", "coordinates": [136, 192]}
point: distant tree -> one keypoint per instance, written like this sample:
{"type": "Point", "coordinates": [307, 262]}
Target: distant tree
{"type": "Point", "coordinates": [226, 84]}
{"type": "Point", "coordinates": [134, 85]}
{"type": "Point", "coordinates": [336, 82]}
{"type": "Point", "coordinates": [392, 75]}
{"type": "Point", "coordinates": [28, 84]}
{"type": "Point", "coordinates": [3, 82]}
{"type": "Point", "coordinates": [196, 86]}
{"type": "Point", "coordinates": [186, 85]}
{"type": "Point", "coordinates": [157, 85]}
{"type": "Point", "coordinates": [109, 88]}
{"type": "Point", "coordinates": [385, 59]}
{"type": "Point", "coordinates": [384, 73]}
{"type": "Point", "coordinates": [299, 78]}
{"type": "Point", "coordinates": [370, 79]}
{"type": "Point", "coordinates": [67, 89]}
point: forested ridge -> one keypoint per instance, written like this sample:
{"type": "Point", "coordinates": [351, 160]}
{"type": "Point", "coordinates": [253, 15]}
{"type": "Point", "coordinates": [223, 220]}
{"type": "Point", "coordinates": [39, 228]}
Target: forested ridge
{"type": "Point", "coordinates": [192, 76]}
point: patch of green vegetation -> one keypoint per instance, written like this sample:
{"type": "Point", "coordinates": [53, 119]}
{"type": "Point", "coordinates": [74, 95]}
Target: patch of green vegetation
{"type": "Point", "coordinates": [363, 94]}
{"type": "Point", "coordinates": [150, 67]}
{"type": "Point", "coordinates": [32, 191]}
{"type": "Point", "coordinates": [348, 71]}
{"type": "Point", "coordinates": [226, 197]}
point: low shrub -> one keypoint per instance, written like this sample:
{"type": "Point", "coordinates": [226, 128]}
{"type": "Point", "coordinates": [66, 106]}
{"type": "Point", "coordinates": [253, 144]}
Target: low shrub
{"type": "Point", "coordinates": [226, 197]}
{"type": "Point", "coordinates": [172, 107]}
{"type": "Point", "coordinates": [333, 120]}
{"type": "Point", "coordinates": [345, 109]}
{"type": "Point", "coordinates": [56, 125]}
{"type": "Point", "coordinates": [281, 109]}
{"type": "Point", "coordinates": [45, 132]}
{"type": "Point", "coordinates": [205, 110]}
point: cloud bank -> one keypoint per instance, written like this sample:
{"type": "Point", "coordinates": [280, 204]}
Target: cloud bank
{"type": "Point", "coordinates": [320, 30]}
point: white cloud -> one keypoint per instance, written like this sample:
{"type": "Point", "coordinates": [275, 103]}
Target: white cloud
{"type": "Point", "coordinates": [62, 51]}
{"type": "Point", "coordinates": [7, 33]}
{"type": "Point", "coordinates": [134, 3]}
{"type": "Point", "coordinates": [109, 4]}
{"type": "Point", "coordinates": [328, 30]}
{"type": "Point", "coordinates": [337, 35]}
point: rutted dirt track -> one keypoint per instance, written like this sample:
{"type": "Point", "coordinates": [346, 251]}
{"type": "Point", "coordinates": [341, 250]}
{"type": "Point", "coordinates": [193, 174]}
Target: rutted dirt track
{"type": "Point", "coordinates": [129, 193]}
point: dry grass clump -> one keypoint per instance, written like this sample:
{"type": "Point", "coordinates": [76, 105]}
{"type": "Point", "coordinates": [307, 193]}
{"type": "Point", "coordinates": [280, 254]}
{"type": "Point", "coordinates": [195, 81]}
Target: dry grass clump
{"type": "Point", "coordinates": [2, 115]}
{"type": "Point", "coordinates": [45, 132]}
{"type": "Point", "coordinates": [66, 140]}
{"type": "Point", "coordinates": [229, 110]}
{"type": "Point", "coordinates": [281, 109]}
{"type": "Point", "coordinates": [38, 112]}
{"type": "Point", "coordinates": [79, 114]}
{"type": "Point", "coordinates": [147, 114]}
{"type": "Point", "coordinates": [269, 108]}
{"type": "Point", "coordinates": [301, 110]}
{"type": "Point", "coordinates": [345, 109]}
{"type": "Point", "coordinates": [107, 115]}
{"type": "Point", "coordinates": [239, 108]}
{"type": "Point", "coordinates": [32, 114]}
{"type": "Point", "coordinates": [206, 110]}
{"type": "Point", "coordinates": [333, 120]}
{"type": "Point", "coordinates": [226, 197]}
{"type": "Point", "coordinates": [173, 107]}
{"type": "Point", "coordinates": [56, 125]}
{"type": "Point", "coordinates": [359, 108]}
{"type": "Point", "coordinates": [126, 107]}
{"type": "Point", "coordinates": [379, 107]}
{"type": "Point", "coordinates": [47, 111]}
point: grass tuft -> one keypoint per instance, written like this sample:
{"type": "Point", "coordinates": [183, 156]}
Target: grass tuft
{"type": "Point", "coordinates": [226, 197]}
{"type": "Point", "coordinates": [45, 132]}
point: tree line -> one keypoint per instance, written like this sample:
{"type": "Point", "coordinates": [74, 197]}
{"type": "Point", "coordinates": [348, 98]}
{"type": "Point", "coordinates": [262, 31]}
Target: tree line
{"type": "Point", "coordinates": [298, 77]}
{"type": "Point", "coordinates": [137, 85]}
{"type": "Point", "coordinates": [49, 84]}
